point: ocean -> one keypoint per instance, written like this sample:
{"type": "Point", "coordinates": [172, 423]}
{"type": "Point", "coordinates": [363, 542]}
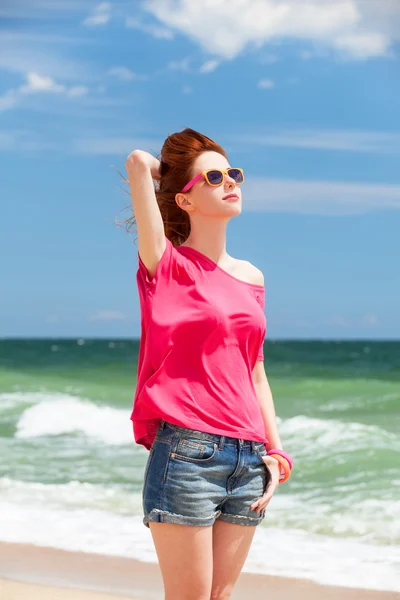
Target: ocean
{"type": "Point", "coordinates": [71, 474]}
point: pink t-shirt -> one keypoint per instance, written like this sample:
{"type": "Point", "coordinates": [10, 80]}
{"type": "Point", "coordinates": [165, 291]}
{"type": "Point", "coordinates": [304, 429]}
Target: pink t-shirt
{"type": "Point", "coordinates": [202, 331]}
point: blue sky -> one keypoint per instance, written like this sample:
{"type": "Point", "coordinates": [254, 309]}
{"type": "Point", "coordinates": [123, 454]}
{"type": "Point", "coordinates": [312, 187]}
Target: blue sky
{"type": "Point", "coordinates": [304, 95]}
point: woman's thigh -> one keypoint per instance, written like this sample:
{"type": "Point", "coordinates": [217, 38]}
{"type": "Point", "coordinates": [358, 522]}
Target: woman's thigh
{"type": "Point", "coordinates": [185, 556]}
{"type": "Point", "coordinates": [231, 545]}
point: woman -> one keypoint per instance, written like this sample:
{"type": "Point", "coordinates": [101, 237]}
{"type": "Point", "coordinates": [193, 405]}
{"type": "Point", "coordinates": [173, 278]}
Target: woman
{"type": "Point", "coordinates": [202, 406]}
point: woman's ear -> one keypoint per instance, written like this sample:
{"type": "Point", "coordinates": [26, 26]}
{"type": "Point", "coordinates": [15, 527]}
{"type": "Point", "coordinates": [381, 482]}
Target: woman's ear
{"type": "Point", "coordinates": [183, 202]}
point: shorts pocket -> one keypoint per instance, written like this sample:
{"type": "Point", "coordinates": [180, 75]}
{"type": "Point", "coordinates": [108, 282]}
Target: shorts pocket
{"type": "Point", "coordinates": [196, 451]}
{"type": "Point", "coordinates": [261, 451]}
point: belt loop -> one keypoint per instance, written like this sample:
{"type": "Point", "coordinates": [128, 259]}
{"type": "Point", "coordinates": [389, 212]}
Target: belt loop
{"type": "Point", "coordinates": [253, 446]}
{"type": "Point", "coordinates": [162, 424]}
{"type": "Point", "coordinates": [221, 442]}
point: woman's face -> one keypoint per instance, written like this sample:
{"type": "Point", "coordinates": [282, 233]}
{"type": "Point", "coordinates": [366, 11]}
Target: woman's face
{"type": "Point", "coordinates": [207, 200]}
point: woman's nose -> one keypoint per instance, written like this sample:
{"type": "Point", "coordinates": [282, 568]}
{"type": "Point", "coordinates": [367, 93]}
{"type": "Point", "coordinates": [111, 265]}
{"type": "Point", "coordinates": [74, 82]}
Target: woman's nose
{"type": "Point", "coordinates": [229, 183]}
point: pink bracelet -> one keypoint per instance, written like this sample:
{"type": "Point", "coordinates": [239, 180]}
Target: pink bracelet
{"type": "Point", "coordinates": [283, 454]}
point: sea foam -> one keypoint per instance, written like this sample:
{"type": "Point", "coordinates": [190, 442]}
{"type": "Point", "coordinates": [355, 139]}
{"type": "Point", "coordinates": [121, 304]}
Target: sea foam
{"type": "Point", "coordinates": [62, 413]}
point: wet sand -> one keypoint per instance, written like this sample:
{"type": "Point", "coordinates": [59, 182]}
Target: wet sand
{"type": "Point", "coordinates": [35, 573]}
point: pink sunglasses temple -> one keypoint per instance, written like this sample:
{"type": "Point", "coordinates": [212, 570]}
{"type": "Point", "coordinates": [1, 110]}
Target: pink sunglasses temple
{"type": "Point", "coordinates": [192, 182]}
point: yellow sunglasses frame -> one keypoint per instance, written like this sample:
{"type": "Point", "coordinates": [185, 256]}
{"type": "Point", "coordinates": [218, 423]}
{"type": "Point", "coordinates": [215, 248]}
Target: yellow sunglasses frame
{"type": "Point", "coordinates": [204, 174]}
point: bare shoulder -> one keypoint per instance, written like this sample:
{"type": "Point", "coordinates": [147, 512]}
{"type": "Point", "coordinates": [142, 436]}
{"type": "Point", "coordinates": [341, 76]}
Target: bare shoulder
{"type": "Point", "coordinates": [255, 274]}
{"type": "Point", "coordinates": [251, 273]}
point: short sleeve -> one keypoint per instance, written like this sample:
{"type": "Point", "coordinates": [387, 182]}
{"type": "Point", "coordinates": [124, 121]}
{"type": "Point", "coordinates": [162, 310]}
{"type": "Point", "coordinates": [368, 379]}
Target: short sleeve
{"type": "Point", "coordinates": [172, 268]}
{"type": "Point", "coordinates": [164, 267]}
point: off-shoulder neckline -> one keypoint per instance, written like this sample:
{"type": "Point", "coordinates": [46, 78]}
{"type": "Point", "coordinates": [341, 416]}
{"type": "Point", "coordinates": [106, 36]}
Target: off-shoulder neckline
{"type": "Point", "coordinates": [209, 260]}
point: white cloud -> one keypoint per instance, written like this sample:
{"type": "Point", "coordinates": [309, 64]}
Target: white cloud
{"type": "Point", "coordinates": [340, 321]}
{"type": "Point", "coordinates": [324, 139]}
{"type": "Point", "coordinates": [101, 15]}
{"type": "Point", "coordinates": [77, 90]}
{"type": "Point", "coordinates": [266, 84]}
{"type": "Point", "coordinates": [363, 45]}
{"type": "Point", "coordinates": [179, 65]}
{"type": "Point", "coordinates": [108, 315]}
{"type": "Point", "coordinates": [209, 66]}
{"type": "Point", "coordinates": [369, 320]}
{"type": "Point", "coordinates": [9, 100]}
{"type": "Point", "coordinates": [156, 31]}
{"type": "Point", "coordinates": [38, 84]}
{"type": "Point", "coordinates": [94, 20]}
{"type": "Point", "coordinates": [122, 73]}
{"type": "Point", "coordinates": [42, 84]}
{"type": "Point", "coordinates": [318, 197]}
{"type": "Point", "coordinates": [355, 28]}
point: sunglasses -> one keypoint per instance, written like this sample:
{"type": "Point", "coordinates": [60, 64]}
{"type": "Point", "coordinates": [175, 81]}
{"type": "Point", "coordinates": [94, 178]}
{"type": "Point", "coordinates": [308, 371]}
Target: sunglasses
{"type": "Point", "coordinates": [215, 177]}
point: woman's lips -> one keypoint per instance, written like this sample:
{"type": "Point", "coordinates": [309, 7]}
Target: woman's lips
{"type": "Point", "coordinates": [231, 197]}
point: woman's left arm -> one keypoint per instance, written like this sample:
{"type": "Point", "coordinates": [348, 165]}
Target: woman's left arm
{"type": "Point", "coordinates": [264, 396]}
{"type": "Point", "coordinates": [266, 402]}
{"type": "Point", "coordinates": [261, 385]}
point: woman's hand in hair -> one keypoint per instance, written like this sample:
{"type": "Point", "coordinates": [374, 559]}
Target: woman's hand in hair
{"type": "Point", "coordinates": [140, 158]}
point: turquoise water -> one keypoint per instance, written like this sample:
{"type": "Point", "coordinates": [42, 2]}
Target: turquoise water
{"type": "Point", "coordinates": [69, 455]}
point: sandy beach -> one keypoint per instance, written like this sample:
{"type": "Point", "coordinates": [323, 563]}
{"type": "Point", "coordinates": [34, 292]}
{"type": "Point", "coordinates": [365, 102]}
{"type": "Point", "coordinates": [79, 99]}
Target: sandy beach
{"type": "Point", "coordinates": [15, 590]}
{"type": "Point", "coordinates": [38, 573]}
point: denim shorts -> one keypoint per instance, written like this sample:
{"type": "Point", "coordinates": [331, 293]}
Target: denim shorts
{"type": "Point", "coordinates": [193, 478]}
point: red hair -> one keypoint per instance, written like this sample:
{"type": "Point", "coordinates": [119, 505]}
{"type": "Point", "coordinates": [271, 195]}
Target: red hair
{"type": "Point", "coordinates": [178, 154]}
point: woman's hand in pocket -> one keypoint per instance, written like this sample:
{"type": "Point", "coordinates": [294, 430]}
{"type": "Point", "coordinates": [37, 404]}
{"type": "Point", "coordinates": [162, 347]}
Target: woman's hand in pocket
{"type": "Point", "coordinates": [274, 468]}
